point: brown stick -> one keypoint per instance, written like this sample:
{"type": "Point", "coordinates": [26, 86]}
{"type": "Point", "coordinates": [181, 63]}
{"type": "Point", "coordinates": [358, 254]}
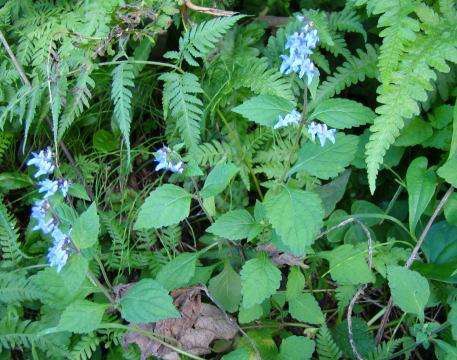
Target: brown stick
{"type": "Point", "coordinates": [411, 258]}
{"type": "Point", "coordinates": [207, 10]}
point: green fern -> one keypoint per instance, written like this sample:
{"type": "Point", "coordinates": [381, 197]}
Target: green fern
{"type": "Point", "coordinates": [402, 91]}
{"type": "Point", "coordinates": [80, 95]}
{"type": "Point", "coordinates": [181, 101]}
{"type": "Point", "coordinates": [326, 346]}
{"type": "Point", "coordinates": [210, 153]}
{"type": "Point", "coordinates": [347, 20]}
{"type": "Point", "coordinates": [200, 39]}
{"type": "Point", "coordinates": [14, 287]}
{"type": "Point", "coordinates": [9, 237]}
{"type": "Point", "coordinates": [384, 350]}
{"type": "Point", "coordinates": [85, 347]}
{"type": "Point", "coordinates": [121, 94]}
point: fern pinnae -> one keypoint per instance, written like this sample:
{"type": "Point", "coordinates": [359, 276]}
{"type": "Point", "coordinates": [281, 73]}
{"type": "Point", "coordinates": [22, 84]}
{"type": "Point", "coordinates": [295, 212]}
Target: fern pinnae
{"type": "Point", "coordinates": [9, 237]}
{"type": "Point", "coordinates": [326, 346]}
{"type": "Point", "coordinates": [121, 94]}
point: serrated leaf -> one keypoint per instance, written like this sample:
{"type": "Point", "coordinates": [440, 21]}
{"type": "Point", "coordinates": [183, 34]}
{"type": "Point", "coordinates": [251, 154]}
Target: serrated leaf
{"type": "Point", "coordinates": [326, 161]}
{"type": "Point", "coordinates": [296, 215]}
{"type": "Point", "coordinates": [295, 282]}
{"type": "Point", "coordinates": [259, 280]}
{"type": "Point", "coordinates": [86, 228]}
{"type": "Point", "coordinates": [178, 272]}
{"type": "Point", "coordinates": [415, 132]}
{"type": "Point", "coordinates": [449, 171]}
{"type": "Point", "coordinates": [78, 191]}
{"type": "Point", "coordinates": [348, 265]}
{"type": "Point", "coordinates": [296, 348]}
{"type": "Point", "coordinates": [226, 288]}
{"type": "Point", "coordinates": [264, 109]}
{"type": "Point", "coordinates": [147, 301]}
{"type": "Point", "coordinates": [410, 291]}
{"type": "Point", "coordinates": [304, 307]}
{"type": "Point", "coordinates": [342, 113]}
{"type": "Point", "coordinates": [74, 271]}
{"type": "Point", "coordinates": [421, 184]}
{"type": "Point", "coordinates": [235, 225]}
{"type": "Point", "coordinates": [167, 205]}
{"type": "Point", "coordinates": [81, 316]}
{"type": "Point", "coordinates": [452, 319]}
{"type": "Point", "coordinates": [218, 179]}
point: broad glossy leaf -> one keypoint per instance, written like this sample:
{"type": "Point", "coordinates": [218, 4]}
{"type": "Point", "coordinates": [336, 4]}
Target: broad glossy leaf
{"type": "Point", "coordinates": [167, 205]}
{"type": "Point", "coordinates": [81, 316]}
{"type": "Point", "coordinates": [218, 179]}
{"type": "Point", "coordinates": [235, 225]}
{"type": "Point", "coordinates": [410, 290]}
{"type": "Point", "coordinates": [421, 184]}
{"type": "Point", "coordinates": [264, 109]}
{"type": "Point", "coordinates": [260, 279]}
{"type": "Point", "coordinates": [296, 215]}
{"type": "Point", "coordinates": [86, 228]}
{"type": "Point", "coordinates": [439, 245]}
{"type": "Point", "coordinates": [147, 301]}
{"type": "Point", "coordinates": [342, 113]}
{"type": "Point", "coordinates": [326, 161]}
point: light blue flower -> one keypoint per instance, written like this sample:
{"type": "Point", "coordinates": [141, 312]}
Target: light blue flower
{"type": "Point", "coordinates": [163, 158]}
{"type": "Point", "coordinates": [58, 252]}
{"type": "Point", "coordinates": [64, 185]}
{"type": "Point", "coordinates": [45, 225]}
{"type": "Point", "coordinates": [48, 187]}
{"type": "Point", "coordinates": [293, 117]}
{"type": "Point", "coordinates": [322, 132]}
{"type": "Point", "coordinates": [43, 161]}
{"type": "Point", "coordinates": [301, 45]}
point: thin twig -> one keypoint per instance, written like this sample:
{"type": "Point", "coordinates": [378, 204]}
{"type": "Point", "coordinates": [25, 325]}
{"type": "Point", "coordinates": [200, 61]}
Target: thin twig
{"type": "Point", "coordinates": [359, 292]}
{"type": "Point", "coordinates": [16, 64]}
{"type": "Point", "coordinates": [208, 10]}
{"type": "Point", "coordinates": [412, 257]}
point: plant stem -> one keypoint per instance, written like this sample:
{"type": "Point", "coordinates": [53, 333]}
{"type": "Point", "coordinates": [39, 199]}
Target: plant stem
{"type": "Point", "coordinates": [145, 62]}
{"type": "Point", "coordinates": [103, 289]}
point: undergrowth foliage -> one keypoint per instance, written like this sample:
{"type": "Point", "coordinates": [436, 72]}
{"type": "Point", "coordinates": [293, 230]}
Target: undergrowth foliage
{"type": "Point", "coordinates": [181, 181]}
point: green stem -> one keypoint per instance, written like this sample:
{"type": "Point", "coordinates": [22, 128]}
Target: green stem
{"type": "Point", "coordinates": [145, 62]}
{"type": "Point", "coordinates": [102, 288]}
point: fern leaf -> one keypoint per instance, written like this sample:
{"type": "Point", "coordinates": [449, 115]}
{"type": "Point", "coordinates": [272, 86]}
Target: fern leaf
{"type": "Point", "coordinates": [58, 87]}
{"type": "Point", "coordinates": [181, 101]}
{"type": "Point", "coordinates": [121, 94]}
{"type": "Point", "coordinates": [209, 154]}
{"type": "Point", "coordinates": [85, 347]}
{"type": "Point", "coordinates": [347, 20]}
{"type": "Point", "coordinates": [80, 95]}
{"type": "Point", "coordinates": [9, 237]}
{"type": "Point", "coordinates": [14, 287]}
{"type": "Point", "coordinates": [400, 97]}
{"type": "Point", "coordinates": [326, 346]}
{"type": "Point", "coordinates": [199, 40]}
{"type": "Point", "coordinates": [384, 350]}
{"type": "Point", "coordinates": [354, 70]}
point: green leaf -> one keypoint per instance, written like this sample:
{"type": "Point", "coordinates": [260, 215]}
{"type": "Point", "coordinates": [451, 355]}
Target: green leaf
{"type": "Point", "coordinates": [218, 179]}
{"type": "Point", "coordinates": [332, 192]}
{"type": "Point", "coordinates": [439, 245]}
{"type": "Point", "coordinates": [452, 319]}
{"type": "Point", "coordinates": [296, 348]}
{"type": "Point", "coordinates": [450, 209]}
{"type": "Point", "coordinates": [264, 109]}
{"type": "Point", "coordinates": [305, 308]}
{"type": "Point", "coordinates": [326, 161]}
{"type": "Point", "coordinates": [178, 272]}
{"type": "Point", "coordinates": [238, 354]}
{"type": "Point", "coordinates": [342, 113]}
{"type": "Point", "coordinates": [247, 315]}
{"type": "Point", "coordinates": [147, 301]}
{"type": "Point", "coordinates": [410, 291]}
{"type": "Point", "coordinates": [421, 184]}
{"type": "Point", "coordinates": [453, 148]}
{"type": "Point", "coordinates": [348, 265]}
{"type": "Point", "coordinates": [449, 171]}
{"type": "Point", "coordinates": [86, 228]}
{"type": "Point", "coordinates": [259, 280]}
{"type": "Point", "coordinates": [167, 205]}
{"type": "Point", "coordinates": [226, 288]}
{"type": "Point", "coordinates": [104, 141]}
{"type": "Point", "coordinates": [78, 191]}
{"type": "Point", "coordinates": [14, 181]}
{"type": "Point", "coordinates": [295, 282]}
{"type": "Point", "coordinates": [235, 225]}
{"type": "Point", "coordinates": [81, 316]}
{"type": "Point", "coordinates": [74, 271]}
{"type": "Point", "coordinates": [415, 132]}
{"type": "Point", "coordinates": [363, 338]}
{"type": "Point", "coordinates": [296, 215]}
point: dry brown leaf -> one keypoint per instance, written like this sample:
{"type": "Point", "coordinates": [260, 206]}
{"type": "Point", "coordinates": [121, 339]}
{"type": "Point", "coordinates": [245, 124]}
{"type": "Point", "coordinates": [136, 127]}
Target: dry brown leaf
{"type": "Point", "coordinates": [281, 258]}
{"type": "Point", "coordinates": [199, 325]}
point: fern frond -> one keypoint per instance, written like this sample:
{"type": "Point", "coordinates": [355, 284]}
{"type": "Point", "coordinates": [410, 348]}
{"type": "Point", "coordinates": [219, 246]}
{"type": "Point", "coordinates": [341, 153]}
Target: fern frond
{"type": "Point", "coordinates": [9, 237]}
{"type": "Point", "coordinates": [15, 287]}
{"type": "Point", "coordinates": [85, 347]}
{"type": "Point", "coordinates": [210, 153]}
{"type": "Point", "coordinates": [326, 346]}
{"type": "Point", "coordinates": [80, 96]}
{"type": "Point", "coordinates": [400, 97]}
{"type": "Point", "coordinates": [347, 20]}
{"type": "Point", "coordinates": [181, 101]}
{"type": "Point", "coordinates": [200, 39]}
{"type": "Point", "coordinates": [256, 75]}
{"type": "Point", "coordinates": [384, 350]}
{"type": "Point", "coordinates": [121, 94]}
{"type": "Point", "coordinates": [5, 142]}
{"type": "Point", "coordinates": [355, 69]}
{"type": "Point", "coordinates": [343, 295]}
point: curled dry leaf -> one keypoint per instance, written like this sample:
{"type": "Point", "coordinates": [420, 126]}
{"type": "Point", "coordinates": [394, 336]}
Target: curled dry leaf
{"type": "Point", "coordinates": [281, 258]}
{"type": "Point", "coordinates": [200, 324]}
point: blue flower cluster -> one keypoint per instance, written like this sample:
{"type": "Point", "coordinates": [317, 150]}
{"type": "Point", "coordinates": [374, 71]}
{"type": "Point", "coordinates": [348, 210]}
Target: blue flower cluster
{"type": "Point", "coordinates": [167, 159]}
{"type": "Point", "coordinates": [301, 45]}
{"type": "Point", "coordinates": [322, 132]}
{"type": "Point", "coordinates": [42, 213]}
{"type": "Point", "coordinates": [293, 117]}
